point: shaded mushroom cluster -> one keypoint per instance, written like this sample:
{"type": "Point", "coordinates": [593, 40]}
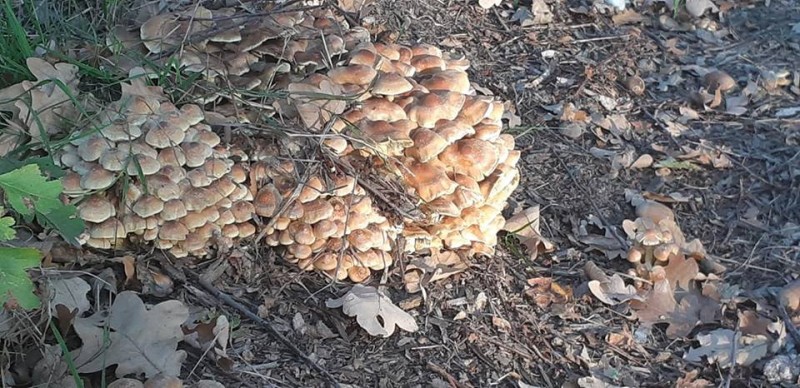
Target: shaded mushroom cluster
{"type": "Point", "coordinates": [325, 222]}
{"type": "Point", "coordinates": [418, 119]}
{"type": "Point", "coordinates": [250, 52]}
{"type": "Point", "coordinates": [148, 170]}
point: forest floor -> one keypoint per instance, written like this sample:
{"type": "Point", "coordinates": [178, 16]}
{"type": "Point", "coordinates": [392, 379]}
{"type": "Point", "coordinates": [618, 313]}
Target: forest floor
{"type": "Point", "coordinates": [728, 164]}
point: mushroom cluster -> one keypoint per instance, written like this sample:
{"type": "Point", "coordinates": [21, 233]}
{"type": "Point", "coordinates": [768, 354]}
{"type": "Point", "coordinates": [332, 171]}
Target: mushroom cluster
{"type": "Point", "coordinates": [249, 51]}
{"type": "Point", "coordinates": [418, 119]}
{"type": "Point", "coordinates": [147, 170]}
{"type": "Point", "coordinates": [326, 222]}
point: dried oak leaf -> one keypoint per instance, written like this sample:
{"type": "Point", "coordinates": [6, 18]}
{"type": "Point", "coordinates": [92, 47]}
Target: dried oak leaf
{"type": "Point", "coordinates": [137, 339]}
{"type": "Point", "coordinates": [525, 225]}
{"type": "Point", "coordinates": [661, 307]}
{"type": "Point", "coordinates": [430, 268]}
{"type": "Point", "coordinates": [367, 304]}
{"type": "Point", "coordinates": [71, 293]}
{"type": "Point", "coordinates": [716, 347]}
{"type": "Point", "coordinates": [690, 380]}
{"type": "Point", "coordinates": [681, 271]}
{"type": "Point", "coordinates": [614, 291]}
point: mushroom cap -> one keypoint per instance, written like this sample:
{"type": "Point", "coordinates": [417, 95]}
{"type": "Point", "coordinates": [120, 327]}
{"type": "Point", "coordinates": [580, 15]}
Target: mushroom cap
{"type": "Point", "coordinates": [649, 237]}
{"type": "Point", "coordinates": [198, 198]}
{"type": "Point", "coordinates": [324, 229]}
{"type": "Point", "coordinates": [355, 74]}
{"type": "Point", "coordinates": [448, 80]}
{"type": "Point", "coordinates": [317, 210]}
{"type": "Point", "coordinates": [326, 261]}
{"type": "Point", "coordinates": [96, 209]}
{"type": "Point", "coordinates": [266, 201]}
{"type": "Point", "coordinates": [242, 211]}
{"type": "Point", "coordinates": [427, 145]}
{"type": "Point", "coordinates": [97, 178]}
{"type": "Point", "coordinates": [635, 255]}
{"type": "Point", "coordinates": [173, 210]}
{"type": "Point", "coordinates": [488, 132]}
{"type": "Point", "coordinates": [429, 180]}
{"type": "Point", "coordinates": [382, 109]}
{"type": "Point", "coordinates": [662, 252]}
{"type": "Point", "coordinates": [143, 164]}
{"type": "Point", "coordinates": [475, 109]}
{"type": "Point", "coordinates": [312, 189]}
{"type": "Point", "coordinates": [114, 159]}
{"type": "Point", "coordinates": [173, 230]}
{"type": "Point", "coordinates": [165, 133]}
{"type": "Point", "coordinates": [92, 147]}
{"type": "Point", "coordinates": [358, 274]}
{"type": "Point", "coordinates": [391, 84]}
{"type": "Point", "coordinates": [194, 220]}
{"type": "Point", "coordinates": [361, 239]}
{"type": "Point", "coordinates": [198, 178]}
{"type": "Point", "coordinates": [428, 63]}
{"type": "Point", "coordinates": [430, 108]}
{"type": "Point", "coordinates": [453, 131]}
{"type": "Point", "coordinates": [148, 205]}
{"type": "Point", "coordinates": [246, 229]}
{"type": "Point", "coordinates": [111, 228]}
{"type": "Point", "coordinates": [196, 153]}
{"type": "Point", "coordinates": [426, 49]}
{"type": "Point", "coordinates": [301, 232]}
{"type": "Point", "coordinates": [163, 187]}
{"type": "Point", "coordinates": [472, 157]}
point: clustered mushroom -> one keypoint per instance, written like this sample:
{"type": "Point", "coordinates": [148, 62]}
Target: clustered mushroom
{"type": "Point", "coordinates": [149, 171]}
{"type": "Point", "coordinates": [146, 170]}
{"type": "Point", "coordinates": [418, 119]}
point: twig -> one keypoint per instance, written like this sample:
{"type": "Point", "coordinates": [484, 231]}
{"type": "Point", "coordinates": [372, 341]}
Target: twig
{"type": "Point", "coordinates": [450, 379]}
{"type": "Point", "coordinates": [227, 299]}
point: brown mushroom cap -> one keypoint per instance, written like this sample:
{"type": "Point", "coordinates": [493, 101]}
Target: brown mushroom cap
{"type": "Point", "coordinates": [97, 178]}
{"type": "Point", "coordinates": [448, 80]}
{"type": "Point", "coordinates": [317, 210]}
{"type": "Point", "coordinates": [382, 109]}
{"type": "Point", "coordinates": [111, 228]}
{"type": "Point", "coordinates": [148, 205]}
{"type": "Point", "coordinates": [143, 164]}
{"type": "Point", "coordinates": [301, 232]}
{"type": "Point", "coordinates": [426, 49]}
{"type": "Point", "coordinates": [355, 74]}
{"type": "Point", "coordinates": [173, 210]}
{"type": "Point", "coordinates": [96, 209]}
{"type": "Point", "coordinates": [326, 261]}
{"type": "Point", "coordinates": [242, 211]}
{"type": "Point", "coordinates": [429, 180]}
{"type": "Point", "coordinates": [391, 84]}
{"type": "Point", "coordinates": [428, 63]}
{"type": "Point", "coordinates": [246, 229]}
{"type": "Point", "coordinates": [472, 157]}
{"type": "Point", "coordinates": [196, 153]}
{"type": "Point", "coordinates": [427, 145]}
{"type": "Point", "coordinates": [358, 274]}
{"type": "Point", "coordinates": [427, 110]}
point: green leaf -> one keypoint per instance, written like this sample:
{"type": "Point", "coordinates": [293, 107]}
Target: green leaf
{"type": "Point", "coordinates": [7, 231]}
{"type": "Point", "coordinates": [28, 190]}
{"type": "Point", "coordinates": [30, 193]}
{"type": "Point", "coordinates": [64, 221]}
{"type": "Point", "coordinates": [14, 280]}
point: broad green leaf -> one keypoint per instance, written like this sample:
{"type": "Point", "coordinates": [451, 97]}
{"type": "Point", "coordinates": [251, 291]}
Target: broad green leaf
{"type": "Point", "coordinates": [7, 231]}
{"type": "Point", "coordinates": [64, 221]}
{"type": "Point", "coordinates": [27, 189]}
{"type": "Point", "coordinates": [14, 280]}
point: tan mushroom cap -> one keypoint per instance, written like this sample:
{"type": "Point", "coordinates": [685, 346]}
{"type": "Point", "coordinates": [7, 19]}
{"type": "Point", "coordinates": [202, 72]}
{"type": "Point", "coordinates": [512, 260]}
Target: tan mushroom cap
{"type": "Point", "coordinates": [246, 229]}
{"type": "Point", "coordinates": [650, 237]}
{"type": "Point", "coordinates": [96, 209]}
{"type": "Point", "coordinates": [312, 189]}
{"type": "Point", "coordinates": [426, 49]}
{"type": "Point", "coordinates": [148, 205]}
{"type": "Point", "coordinates": [111, 228]}
{"type": "Point", "coordinates": [226, 217]}
{"type": "Point", "coordinates": [198, 198]}
{"type": "Point", "coordinates": [114, 159]}
{"type": "Point", "coordinates": [266, 201]}
{"type": "Point", "coordinates": [238, 173]}
{"type": "Point", "coordinates": [302, 251]}
{"type": "Point", "coordinates": [635, 255]}
{"type": "Point", "coordinates": [91, 148]}
{"type": "Point", "coordinates": [72, 183]}
{"type": "Point", "coordinates": [444, 205]}
{"type": "Point", "coordinates": [173, 210]}
{"type": "Point", "coordinates": [173, 230]}
{"type": "Point", "coordinates": [472, 157]}
{"type": "Point", "coordinates": [429, 180]}
{"type": "Point", "coordinates": [301, 232]}
{"type": "Point", "coordinates": [326, 261]}
{"type": "Point", "coordinates": [428, 63]}
{"type": "Point", "coordinates": [391, 84]}
{"type": "Point", "coordinates": [163, 187]}
{"type": "Point", "coordinates": [97, 178]}
{"type": "Point", "coordinates": [361, 239]}
{"type": "Point", "coordinates": [448, 80]}
{"type": "Point", "coordinates": [398, 132]}
{"type": "Point", "coordinates": [353, 74]}
{"type": "Point", "coordinates": [196, 153]}
{"type": "Point", "coordinates": [382, 109]}
{"type": "Point", "coordinates": [488, 132]}
{"type": "Point", "coordinates": [194, 220]}
{"type": "Point", "coordinates": [427, 110]}
{"type": "Point", "coordinates": [198, 178]}
{"type": "Point", "coordinates": [475, 109]}
{"type": "Point", "coordinates": [358, 274]}
{"type": "Point", "coordinates": [163, 134]}
{"type": "Point", "coordinates": [230, 231]}
{"type": "Point", "coordinates": [324, 229]}
{"type": "Point", "coordinates": [427, 145]}
{"type": "Point", "coordinates": [316, 211]}
{"type": "Point", "coordinates": [134, 223]}
{"type": "Point", "coordinates": [242, 211]}
{"type": "Point", "coordinates": [142, 163]}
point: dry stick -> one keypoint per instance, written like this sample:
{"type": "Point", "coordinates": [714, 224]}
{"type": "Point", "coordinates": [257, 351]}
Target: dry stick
{"type": "Point", "coordinates": [227, 299]}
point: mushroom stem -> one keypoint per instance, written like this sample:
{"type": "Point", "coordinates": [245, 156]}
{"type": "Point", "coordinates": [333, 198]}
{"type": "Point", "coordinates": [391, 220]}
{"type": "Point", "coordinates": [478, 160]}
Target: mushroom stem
{"type": "Point", "coordinates": [648, 258]}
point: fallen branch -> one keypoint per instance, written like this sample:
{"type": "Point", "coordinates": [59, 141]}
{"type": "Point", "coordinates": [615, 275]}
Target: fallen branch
{"type": "Point", "coordinates": [228, 300]}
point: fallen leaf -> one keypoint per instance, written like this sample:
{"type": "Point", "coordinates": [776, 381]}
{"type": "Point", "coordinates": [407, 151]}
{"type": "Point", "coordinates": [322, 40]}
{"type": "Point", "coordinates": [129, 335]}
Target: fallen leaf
{"type": "Point", "coordinates": [501, 324]}
{"type": "Point", "coordinates": [681, 271]}
{"type": "Point", "coordinates": [430, 268]}
{"type": "Point", "coordinates": [660, 306]}
{"type": "Point", "coordinates": [486, 4]}
{"type": "Point", "coordinates": [716, 346]}
{"type": "Point", "coordinates": [750, 323]}
{"type": "Point", "coordinates": [51, 370]}
{"type": "Point", "coordinates": [367, 304]}
{"type": "Point", "coordinates": [138, 340]}
{"type": "Point", "coordinates": [690, 380]}
{"type": "Point", "coordinates": [352, 5]}
{"type": "Point", "coordinates": [525, 225]}
{"type": "Point", "coordinates": [544, 292]}
{"type": "Point", "coordinates": [70, 292]}
{"type": "Point", "coordinates": [698, 7]}
{"type": "Point", "coordinates": [614, 291]}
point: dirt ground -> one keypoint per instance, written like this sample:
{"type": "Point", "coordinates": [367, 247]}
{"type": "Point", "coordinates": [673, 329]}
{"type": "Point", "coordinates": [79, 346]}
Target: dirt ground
{"type": "Point", "coordinates": [582, 122]}
{"type": "Point", "coordinates": [746, 214]}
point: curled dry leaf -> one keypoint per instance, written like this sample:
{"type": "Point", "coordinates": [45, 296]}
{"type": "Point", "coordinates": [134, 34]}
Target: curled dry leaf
{"type": "Point", "coordinates": [436, 266]}
{"type": "Point", "coordinates": [614, 291]}
{"type": "Point", "coordinates": [544, 292]}
{"type": "Point", "coordinates": [660, 306]}
{"type": "Point", "coordinates": [367, 304]}
{"type": "Point", "coordinates": [681, 271]}
{"type": "Point", "coordinates": [501, 324]}
{"type": "Point", "coordinates": [716, 347]}
{"type": "Point", "coordinates": [525, 225]}
{"type": "Point", "coordinates": [137, 339]}
{"type": "Point", "coordinates": [790, 296]}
